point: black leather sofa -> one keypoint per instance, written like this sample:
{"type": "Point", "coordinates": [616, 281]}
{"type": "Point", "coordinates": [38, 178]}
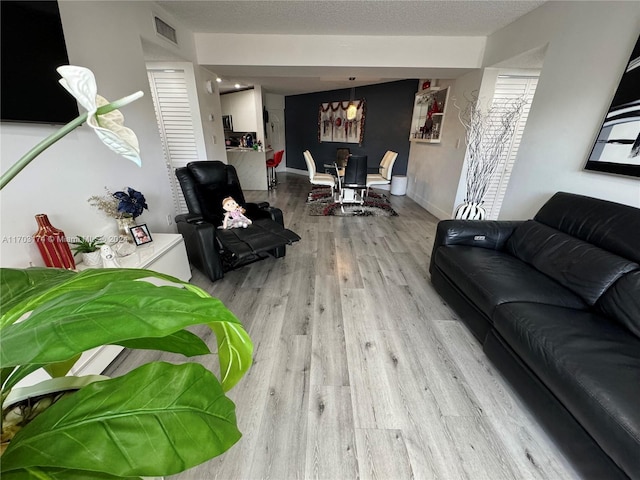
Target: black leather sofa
{"type": "Point", "coordinates": [555, 302]}
{"type": "Point", "coordinates": [213, 250]}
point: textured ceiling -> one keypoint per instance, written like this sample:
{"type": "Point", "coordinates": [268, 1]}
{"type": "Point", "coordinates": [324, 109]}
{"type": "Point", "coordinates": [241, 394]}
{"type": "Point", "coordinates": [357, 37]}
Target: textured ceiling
{"type": "Point", "coordinates": [351, 17]}
{"type": "Point", "coordinates": [345, 17]}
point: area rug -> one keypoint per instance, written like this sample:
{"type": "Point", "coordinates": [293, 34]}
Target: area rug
{"type": "Point", "coordinates": [321, 203]}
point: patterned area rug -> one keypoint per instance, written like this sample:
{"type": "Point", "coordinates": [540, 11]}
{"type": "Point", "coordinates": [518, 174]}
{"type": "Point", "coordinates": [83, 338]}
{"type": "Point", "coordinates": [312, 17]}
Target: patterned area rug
{"type": "Point", "coordinates": [321, 203]}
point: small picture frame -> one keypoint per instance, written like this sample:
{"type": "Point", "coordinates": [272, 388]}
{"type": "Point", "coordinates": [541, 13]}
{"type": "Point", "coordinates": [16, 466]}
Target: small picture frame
{"type": "Point", "coordinates": [140, 234]}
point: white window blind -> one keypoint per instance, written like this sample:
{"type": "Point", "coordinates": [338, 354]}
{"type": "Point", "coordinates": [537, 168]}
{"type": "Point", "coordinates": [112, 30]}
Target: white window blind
{"type": "Point", "coordinates": [508, 88]}
{"type": "Point", "coordinates": [174, 116]}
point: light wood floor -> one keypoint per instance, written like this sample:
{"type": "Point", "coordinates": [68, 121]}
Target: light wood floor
{"type": "Point", "coordinates": [361, 371]}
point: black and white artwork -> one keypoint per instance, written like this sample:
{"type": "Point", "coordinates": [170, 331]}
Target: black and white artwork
{"type": "Point", "coordinates": [617, 148]}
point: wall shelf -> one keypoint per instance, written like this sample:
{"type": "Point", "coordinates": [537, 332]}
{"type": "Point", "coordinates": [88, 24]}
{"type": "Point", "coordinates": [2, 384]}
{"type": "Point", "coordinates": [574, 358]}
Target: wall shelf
{"type": "Point", "coordinates": [429, 111]}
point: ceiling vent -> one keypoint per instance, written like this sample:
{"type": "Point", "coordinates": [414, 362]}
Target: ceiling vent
{"type": "Point", "coordinates": [165, 30]}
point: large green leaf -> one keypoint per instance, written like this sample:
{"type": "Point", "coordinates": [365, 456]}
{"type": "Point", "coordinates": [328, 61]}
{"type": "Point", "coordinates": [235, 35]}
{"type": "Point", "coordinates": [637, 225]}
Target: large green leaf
{"type": "Point", "coordinates": [60, 369]}
{"type": "Point", "coordinates": [17, 285]}
{"type": "Point", "coordinates": [235, 352]}
{"type": "Point", "coordinates": [48, 473]}
{"type": "Point", "coordinates": [78, 320]}
{"type": "Point", "coordinates": [159, 419]}
{"type": "Point", "coordinates": [32, 287]}
{"type": "Point", "coordinates": [183, 342]}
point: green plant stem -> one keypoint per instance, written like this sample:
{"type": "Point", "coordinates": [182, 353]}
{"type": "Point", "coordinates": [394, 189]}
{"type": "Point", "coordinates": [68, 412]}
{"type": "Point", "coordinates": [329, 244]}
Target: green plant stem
{"type": "Point", "coordinates": [57, 135]}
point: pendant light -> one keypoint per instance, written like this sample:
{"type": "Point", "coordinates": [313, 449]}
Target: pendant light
{"type": "Point", "coordinates": [352, 109]}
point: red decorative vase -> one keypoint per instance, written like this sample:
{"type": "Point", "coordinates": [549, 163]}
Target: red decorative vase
{"type": "Point", "coordinates": [52, 244]}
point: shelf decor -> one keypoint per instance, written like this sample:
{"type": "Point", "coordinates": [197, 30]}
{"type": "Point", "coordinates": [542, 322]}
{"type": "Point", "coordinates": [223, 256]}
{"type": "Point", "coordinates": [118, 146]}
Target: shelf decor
{"type": "Point", "coordinates": [334, 124]}
{"type": "Point", "coordinates": [52, 243]}
{"type": "Point", "coordinates": [617, 146]}
{"type": "Point", "coordinates": [428, 115]}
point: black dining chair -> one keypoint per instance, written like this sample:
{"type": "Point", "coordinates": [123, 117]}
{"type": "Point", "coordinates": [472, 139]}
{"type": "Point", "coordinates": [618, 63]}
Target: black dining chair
{"type": "Point", "coordinates": [354, 184]}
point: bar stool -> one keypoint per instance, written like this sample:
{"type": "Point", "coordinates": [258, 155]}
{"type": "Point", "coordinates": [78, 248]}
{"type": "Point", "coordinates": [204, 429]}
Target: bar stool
{"type": "Point", "coordinates": [272, 164]}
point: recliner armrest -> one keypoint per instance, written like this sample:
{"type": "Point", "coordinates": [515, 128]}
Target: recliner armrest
{"type": "Point", "coordinates": [492, 234]}
{"type": "Point", "coordinates": [189, 218]}
{"type": "Point", "coordinates": [262, 205]}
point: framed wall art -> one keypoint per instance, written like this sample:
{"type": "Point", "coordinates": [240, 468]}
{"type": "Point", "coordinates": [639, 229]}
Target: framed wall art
{"type": "Point", "coordinates": [617, 147]}
{"type": "Point", "coordinates": [336, 123]}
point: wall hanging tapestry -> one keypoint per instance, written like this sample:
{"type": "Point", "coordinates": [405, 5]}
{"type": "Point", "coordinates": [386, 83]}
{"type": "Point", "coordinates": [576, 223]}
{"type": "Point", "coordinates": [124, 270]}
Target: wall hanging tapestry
{"type": "Point", "coordinates": [617, 148]}
{"type": "Point", "coordinates": [338, 123]}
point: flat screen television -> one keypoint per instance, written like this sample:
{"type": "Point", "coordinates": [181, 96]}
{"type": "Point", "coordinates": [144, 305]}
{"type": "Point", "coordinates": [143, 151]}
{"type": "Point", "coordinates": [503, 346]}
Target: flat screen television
{"type": "Point", "coordinates": [32, 47]}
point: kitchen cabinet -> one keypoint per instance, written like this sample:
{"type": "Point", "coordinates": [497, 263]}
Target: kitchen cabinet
{"type": "Point", "coordinates": [429, 110]}
{"type": "Point", "coordinates": [242, 107]}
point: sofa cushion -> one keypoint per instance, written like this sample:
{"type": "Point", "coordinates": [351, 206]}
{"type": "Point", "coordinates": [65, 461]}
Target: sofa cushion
{"type": "Point", "coordinates": [622, 302]}
{"type": "Point", "coordinates": [581, 267]}
{"type": "Point", "coordinates": [590, 363]}
{"type": "Point", "coordinates": [489, 278]}
{"type": "Point", "coordinates": [608, 225]}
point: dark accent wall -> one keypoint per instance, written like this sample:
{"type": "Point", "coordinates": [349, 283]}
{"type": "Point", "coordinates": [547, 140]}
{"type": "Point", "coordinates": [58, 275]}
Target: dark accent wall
{"type": "Point", "coordinates": [387, 124]}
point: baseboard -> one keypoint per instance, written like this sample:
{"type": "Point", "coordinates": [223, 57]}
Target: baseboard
{"type": "Point", "coordinates": [297, 171]}
{"type": "Point", "coordinates": [430, 207]}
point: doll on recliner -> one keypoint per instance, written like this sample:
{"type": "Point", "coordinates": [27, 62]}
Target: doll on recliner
{"type": "Point", "coordinates": [234, 215]}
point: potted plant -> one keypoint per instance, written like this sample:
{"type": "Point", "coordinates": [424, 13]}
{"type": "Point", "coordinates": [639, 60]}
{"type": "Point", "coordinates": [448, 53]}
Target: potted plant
{"type": "Point", "coordinates": [158, 419]}
{"type": "Point", "coordinates": [488, 131]}
{"type": "Point", "coordinates": [89, 250]}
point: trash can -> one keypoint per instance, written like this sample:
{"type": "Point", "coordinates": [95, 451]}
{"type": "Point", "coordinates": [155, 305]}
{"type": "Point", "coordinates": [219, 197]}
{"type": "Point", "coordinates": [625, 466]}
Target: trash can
{"type": "Point", "coordinates": [399, 185]}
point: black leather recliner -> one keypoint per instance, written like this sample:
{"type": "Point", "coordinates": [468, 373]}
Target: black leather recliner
{"type": "Point", "coordinates": [213, 250]}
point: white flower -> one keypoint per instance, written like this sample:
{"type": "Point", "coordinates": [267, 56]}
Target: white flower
{"type": "Point", "coordinates": [81, 83]}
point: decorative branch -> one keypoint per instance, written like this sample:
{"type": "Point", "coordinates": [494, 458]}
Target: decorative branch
{"type": "Point", "coordinates": [489, 132]}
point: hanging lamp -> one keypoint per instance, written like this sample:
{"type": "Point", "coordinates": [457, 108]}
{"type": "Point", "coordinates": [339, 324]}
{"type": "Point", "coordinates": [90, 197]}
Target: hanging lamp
{"type": "Point", "coordinates": [352, 109]}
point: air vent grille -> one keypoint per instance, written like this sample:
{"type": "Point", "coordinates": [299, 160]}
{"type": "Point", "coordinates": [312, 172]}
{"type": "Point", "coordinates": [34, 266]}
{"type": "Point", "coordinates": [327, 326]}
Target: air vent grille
{"type": "Point", "coordinates": [165, 30]}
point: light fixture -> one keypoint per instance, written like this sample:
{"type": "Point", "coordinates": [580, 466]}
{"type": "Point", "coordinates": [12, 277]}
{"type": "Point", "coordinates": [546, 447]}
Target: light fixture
{"type": "Point", "coordinates": [237, 85]}
{"type": "Point", "coordinates": [352, 109]}
{"type": "Point", "coordinates": [218, 79]}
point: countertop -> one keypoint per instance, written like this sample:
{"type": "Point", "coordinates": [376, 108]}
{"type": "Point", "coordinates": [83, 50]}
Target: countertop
{"type": "Point", "coordinates": [244, 149]}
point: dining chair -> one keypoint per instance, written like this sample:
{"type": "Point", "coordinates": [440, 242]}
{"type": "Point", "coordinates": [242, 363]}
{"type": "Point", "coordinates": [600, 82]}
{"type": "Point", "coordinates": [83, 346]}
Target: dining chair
{"type": "Point", "coordinates": [318, 178]}
{"type": "Point", "coordinates": [354, 183]}
{"type": "Point", "coordinates": [383, 177]}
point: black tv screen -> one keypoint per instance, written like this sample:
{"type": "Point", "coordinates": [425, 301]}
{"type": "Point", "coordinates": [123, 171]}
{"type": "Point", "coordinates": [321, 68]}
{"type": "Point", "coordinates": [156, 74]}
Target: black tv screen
{"type": "Point", "coordinates": [32, 47]}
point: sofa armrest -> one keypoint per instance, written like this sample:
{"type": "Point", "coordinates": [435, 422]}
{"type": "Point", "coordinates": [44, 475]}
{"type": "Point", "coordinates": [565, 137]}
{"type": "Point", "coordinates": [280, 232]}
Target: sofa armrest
{"type": "Point", "coordinates": [492, 234]}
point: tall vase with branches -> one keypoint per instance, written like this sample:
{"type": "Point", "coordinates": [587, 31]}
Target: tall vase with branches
{"type": "Point", "coordinates": [488, 133]}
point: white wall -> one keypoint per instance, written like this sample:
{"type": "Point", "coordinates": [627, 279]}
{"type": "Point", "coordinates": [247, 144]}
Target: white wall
{"type": "Point", "coordinates": [589, 44]}
{"type": "Point", "coordinates": [339, 50]}
{"type": "Point", "coordinates": [105, 37]}
{"type": "Point", "coordinates": [434, 170]}
{"type": "Point", "coordinates": [210, 105]}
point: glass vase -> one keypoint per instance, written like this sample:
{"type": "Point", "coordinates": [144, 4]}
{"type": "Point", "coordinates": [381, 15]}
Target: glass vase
{"type": "Point", "coordinates": [52, 243]}
{"type": "Point", "coordinates": [125, 245]}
